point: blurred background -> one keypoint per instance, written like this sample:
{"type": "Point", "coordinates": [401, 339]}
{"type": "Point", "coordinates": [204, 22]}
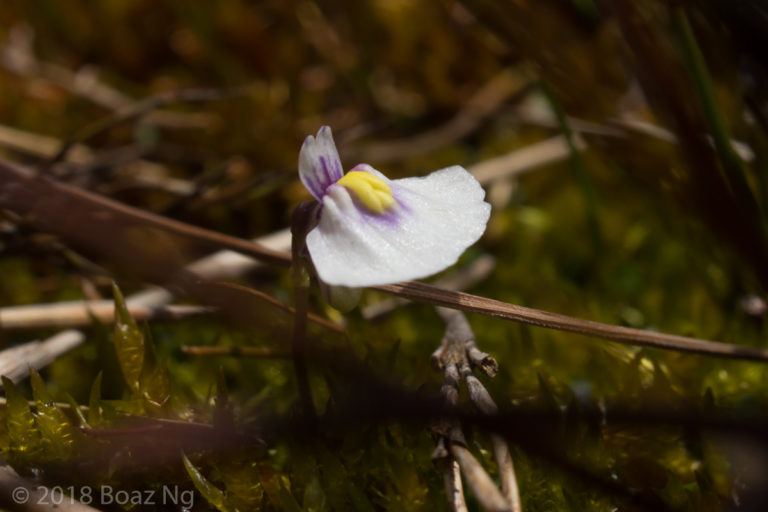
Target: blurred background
{"type": "Point", "coordinates": [641, 202]}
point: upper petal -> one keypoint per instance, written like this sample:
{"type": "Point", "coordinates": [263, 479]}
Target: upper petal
{"type": "Point", "coordinates": [319, 164]}
{"type": "Point", "coordinates": [436, 219]}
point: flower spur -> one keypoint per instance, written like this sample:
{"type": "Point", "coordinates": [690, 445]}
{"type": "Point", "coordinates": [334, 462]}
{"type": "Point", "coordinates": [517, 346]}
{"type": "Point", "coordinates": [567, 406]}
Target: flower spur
{"type": "Point", "coordinates": [372, 230]}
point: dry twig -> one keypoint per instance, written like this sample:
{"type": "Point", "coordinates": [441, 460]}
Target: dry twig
{"type": "Point", "coordinates": [463, 278]}
{"type": "Point", "coordinates": [83, 313]}
{"type": "Point", "coordinates": [456, 357]}
{"type": "Point", "coordinates": [15, 362]}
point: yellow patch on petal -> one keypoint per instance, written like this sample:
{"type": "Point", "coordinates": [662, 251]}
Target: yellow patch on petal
{"type": "Point", "coordinates": [372, 191]}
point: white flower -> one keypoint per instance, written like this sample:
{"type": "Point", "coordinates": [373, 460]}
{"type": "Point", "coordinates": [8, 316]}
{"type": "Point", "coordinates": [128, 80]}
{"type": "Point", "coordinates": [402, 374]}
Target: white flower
{"type": "Point", "coordinates": [372, 230]}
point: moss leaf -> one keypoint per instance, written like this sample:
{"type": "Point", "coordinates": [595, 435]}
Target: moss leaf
{"type": "Point", "coordinates": [54, 427]}
{"type": "Point", "coordinates": [77, 411]}
{"type": "Point", "coordinates": [22, 432]}
{"type": "Point", "coordinates": [129, 342]}
{"type": "Point", "coordinates": [210, 492]}
{"type": "Point", "coordinates": [94, 402]}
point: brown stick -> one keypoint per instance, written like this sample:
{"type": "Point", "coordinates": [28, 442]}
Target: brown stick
{"type": "Point", "coordinates": [16, 361]}
{"type": "Point", "coordinates": [473, 304]}
{"type": "Point", "coordinates": [455, 358]}
{"type": "Point", "coordinates": [82, 313]}
{"type": "Point", "coordinates": [479, 481]}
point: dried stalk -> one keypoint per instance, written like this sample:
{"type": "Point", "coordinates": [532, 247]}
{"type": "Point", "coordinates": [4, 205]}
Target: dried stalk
{"type": "Point", "coordinates": [464, 277]}
{"type": "Point", "coordinates": [15, 362]}
{"type": "Point", "coordinates": [82, 314]}
{"type": "Point", "coordinates": [454, 359]}
{"type": "Point", "coordinates": [480, 397]}
{"type": "Point", "coordinates": [479, 480]}
{"type": "Point", "coordinates": [453, 487]}
{"type": "Point", "coordinates": [489, 307]}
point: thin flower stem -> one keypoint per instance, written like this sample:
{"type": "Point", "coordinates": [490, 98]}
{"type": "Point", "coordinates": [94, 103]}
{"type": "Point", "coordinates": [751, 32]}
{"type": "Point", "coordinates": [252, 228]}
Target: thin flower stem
{"type": "Point", "coordinates": [300, 225]}
{"type": "Point", "coordinates": [301, 299]}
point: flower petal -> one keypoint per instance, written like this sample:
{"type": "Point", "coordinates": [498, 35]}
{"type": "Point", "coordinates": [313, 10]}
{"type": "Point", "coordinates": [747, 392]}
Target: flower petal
{"type": "Point", "coordinates": [436, 219]}
{"type": "Point", "coordinates": [319, 164]}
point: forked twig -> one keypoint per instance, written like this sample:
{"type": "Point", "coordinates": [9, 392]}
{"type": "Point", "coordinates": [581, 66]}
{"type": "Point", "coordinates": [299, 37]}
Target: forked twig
{"type": "Point", "coordinates": [456, 357]}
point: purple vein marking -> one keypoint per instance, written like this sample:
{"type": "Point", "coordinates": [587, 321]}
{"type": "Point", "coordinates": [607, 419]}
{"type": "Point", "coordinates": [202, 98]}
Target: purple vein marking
{"type": "Point", "coordinates": [326, 172]}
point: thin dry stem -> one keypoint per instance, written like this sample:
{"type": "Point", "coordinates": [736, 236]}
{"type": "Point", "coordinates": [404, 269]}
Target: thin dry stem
{"type": "Point", "coordinates": [463, 278]}
{"type": "Point", "coordinates": [489, 307]}
{"type": "Point", "coordinates": [16, 361]}
{"type": "Point", "coordinates": [480, 397]}
{"type": "Point", "coordinates": [453, 487]}
{"type": "Point", "coordinates": [479, 481]}
{"type": "Point", "coordinates": [82, 314]}
{"type": "Point", "coordinates": [453, 357]}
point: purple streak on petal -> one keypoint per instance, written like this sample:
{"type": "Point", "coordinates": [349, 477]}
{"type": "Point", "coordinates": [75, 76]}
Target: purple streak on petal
{"type": "Point", "coordinates": [319, 165]}
{"type": "Point", "coordinates": [328, 180]}
{"type": "Point", "coordinates": [339, 171]}
{"type": "Point", "coordinates": [315, 189]}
